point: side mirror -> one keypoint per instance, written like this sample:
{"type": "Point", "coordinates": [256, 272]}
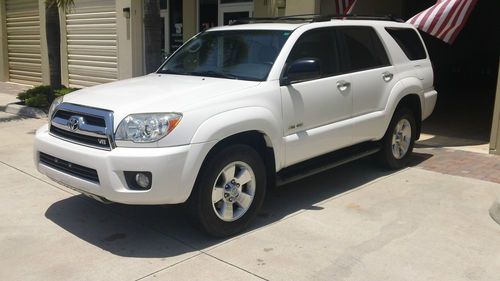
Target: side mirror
{"type": "Point", "coordinates": [301, 70]}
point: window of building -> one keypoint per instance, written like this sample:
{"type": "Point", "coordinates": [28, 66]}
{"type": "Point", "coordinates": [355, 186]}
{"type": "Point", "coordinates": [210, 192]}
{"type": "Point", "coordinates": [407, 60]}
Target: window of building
{"type": "Point", "coordinates": [409, 41]}
{"type": "Point", "coordinates": [362, 49]}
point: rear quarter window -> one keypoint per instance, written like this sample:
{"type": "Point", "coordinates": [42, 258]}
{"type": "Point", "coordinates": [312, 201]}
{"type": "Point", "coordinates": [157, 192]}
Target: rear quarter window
{"type": "Point", "coordinates": [409, 41]}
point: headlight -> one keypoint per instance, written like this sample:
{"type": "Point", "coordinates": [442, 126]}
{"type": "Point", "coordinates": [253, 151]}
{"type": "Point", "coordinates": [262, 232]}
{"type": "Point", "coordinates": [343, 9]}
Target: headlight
{"type": "Point", "coordinates": [53, 106]}
{"type": "Point", "coordinates": [148, 127]}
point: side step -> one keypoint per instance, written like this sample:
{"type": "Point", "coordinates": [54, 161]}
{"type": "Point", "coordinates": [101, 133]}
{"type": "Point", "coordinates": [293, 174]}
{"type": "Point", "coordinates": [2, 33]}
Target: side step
{"type": "Point", "coordinates": [326, 162]}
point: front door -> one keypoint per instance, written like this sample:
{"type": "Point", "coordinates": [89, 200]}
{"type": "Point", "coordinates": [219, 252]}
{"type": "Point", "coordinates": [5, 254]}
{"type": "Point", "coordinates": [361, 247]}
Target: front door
{"type": "Point", "coordinates": [232, 10]}
{"type": "Point", "coordinates": [316, 113]}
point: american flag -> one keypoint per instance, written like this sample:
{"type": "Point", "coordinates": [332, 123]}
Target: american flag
{"type": "Point", "coordinates": [344, 6]}
{"type": "Point", "coordinates": [445, 19]}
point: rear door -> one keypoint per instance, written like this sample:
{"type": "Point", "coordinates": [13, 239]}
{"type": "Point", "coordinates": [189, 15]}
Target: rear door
{"type": "Point", "coordinates": [372, 77]}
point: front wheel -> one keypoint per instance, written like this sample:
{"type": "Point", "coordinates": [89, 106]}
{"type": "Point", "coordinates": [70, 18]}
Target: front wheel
{"type": "Point", "coordinates": [398, 141]}
{"type": "Point", "coordinates": [229, 190]}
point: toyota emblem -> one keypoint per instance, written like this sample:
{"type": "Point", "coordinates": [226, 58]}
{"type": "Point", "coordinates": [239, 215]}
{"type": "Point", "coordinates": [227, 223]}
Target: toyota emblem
{"type": "Point", "coordinates": [74, 123]}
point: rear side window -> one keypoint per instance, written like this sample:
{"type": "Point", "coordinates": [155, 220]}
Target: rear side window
{"type": "Point", "coordinates": [409, 42]}
{"type": "Point", "coordinates": [362, 48]}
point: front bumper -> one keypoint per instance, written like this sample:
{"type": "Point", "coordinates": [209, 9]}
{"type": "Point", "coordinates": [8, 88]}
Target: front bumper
{"type": "Point", "coordinates": [174, 169]}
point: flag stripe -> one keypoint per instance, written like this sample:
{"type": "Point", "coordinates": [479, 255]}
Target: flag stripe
{"type": "Point", "coordinates": [430, 24]}
{"type": "Point", "coordinates": [469, 10]}
{"type": "Point", "coordinates": [445, 19]}
{"type": "Point", "coordinates": [349, 8]}
{"type": "Point", "coordinates": [344, 6]}
{"type": "Point", "coordinates": [425, 16]}
{"type": "Point", "coordinates": [451, 19]}
{"type": "Point", "coordinates": [441, 18]}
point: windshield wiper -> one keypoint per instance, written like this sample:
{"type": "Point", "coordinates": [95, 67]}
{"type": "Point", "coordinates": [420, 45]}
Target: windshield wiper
{"type": "Point", "coordinates": [212, 73]}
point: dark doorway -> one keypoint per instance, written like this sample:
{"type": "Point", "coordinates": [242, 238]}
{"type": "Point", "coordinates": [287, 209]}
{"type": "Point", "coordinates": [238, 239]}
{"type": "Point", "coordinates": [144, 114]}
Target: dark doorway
{"type": "Point", "coordinates": [465, 74]}
{"type": "Point", "coordinates": [209, 10]}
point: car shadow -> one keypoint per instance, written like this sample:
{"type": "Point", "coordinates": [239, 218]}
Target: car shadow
{"type": "Point", "coordinates": [165, 231]}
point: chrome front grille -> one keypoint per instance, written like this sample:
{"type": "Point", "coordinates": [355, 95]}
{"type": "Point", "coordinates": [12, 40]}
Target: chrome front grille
{"type": "Point", "coordinates": [83, 125]}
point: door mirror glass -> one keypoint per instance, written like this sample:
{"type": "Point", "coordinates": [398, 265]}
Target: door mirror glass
{"type": "Point", "coordinates": [302, 70]}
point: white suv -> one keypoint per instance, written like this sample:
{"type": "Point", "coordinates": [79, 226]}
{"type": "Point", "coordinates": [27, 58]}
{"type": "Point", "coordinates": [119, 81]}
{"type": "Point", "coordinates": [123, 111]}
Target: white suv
{"type": "Point", "coordinates": [242, 107]}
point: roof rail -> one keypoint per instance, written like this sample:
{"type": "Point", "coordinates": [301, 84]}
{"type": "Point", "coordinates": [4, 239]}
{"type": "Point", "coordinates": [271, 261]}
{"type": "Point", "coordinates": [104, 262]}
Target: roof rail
{"type": "Point", "coordinates": [314, 18]}
{"type": "Point", "coordinates": [388, 17]}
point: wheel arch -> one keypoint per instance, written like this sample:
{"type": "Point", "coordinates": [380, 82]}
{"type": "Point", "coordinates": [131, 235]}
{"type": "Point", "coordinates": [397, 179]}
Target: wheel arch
{"type": "Point", "coordinates": [253, 126]}
{"type": "Point", "coordinates": [407, 93]}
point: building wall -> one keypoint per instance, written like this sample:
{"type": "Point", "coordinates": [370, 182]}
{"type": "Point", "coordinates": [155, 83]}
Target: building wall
{"type": "Point", "coordinates": [379, 7]}
{"type": "Point", "coordinates": [23, 52]}
{"type": "Point", "coordinates": [90, 44]}
{"type": "Point", "coordinates": [300, 7]}
{"type": "Point", "coordinates": [4, 71]}
{"type": "Point", "coordinates": [101, 39]}
{"type": "Point", "coordinates": [189, 18]}
{"type": "Point", "coordinates": [269, 8]}
{"type": "Point", "coordinates": [495, 127]}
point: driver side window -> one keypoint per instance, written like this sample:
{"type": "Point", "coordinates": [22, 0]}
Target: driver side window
{"type": "Point", "coordinates": [318, 44]}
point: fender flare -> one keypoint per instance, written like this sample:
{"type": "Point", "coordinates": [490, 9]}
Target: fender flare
{"type": "Point", "coordinates": [403, 88]}
{"type": "Point", "coordinates": [232, 122]}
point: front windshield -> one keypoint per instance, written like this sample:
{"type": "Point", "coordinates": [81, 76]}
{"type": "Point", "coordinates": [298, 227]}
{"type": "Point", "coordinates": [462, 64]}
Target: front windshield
{"type": "Point", "coordinates": [233, 54]}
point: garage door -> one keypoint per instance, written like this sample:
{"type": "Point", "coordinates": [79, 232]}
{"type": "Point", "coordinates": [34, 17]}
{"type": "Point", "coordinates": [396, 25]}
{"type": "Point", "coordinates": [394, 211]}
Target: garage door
{"type": "Point", "coordinates": [23, 41]}
{"type": "Point", "coordinates": [91, 41]}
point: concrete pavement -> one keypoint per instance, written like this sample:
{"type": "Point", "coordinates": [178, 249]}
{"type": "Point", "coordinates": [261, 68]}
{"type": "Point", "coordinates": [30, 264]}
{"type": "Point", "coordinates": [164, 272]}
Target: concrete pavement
{"type": "Point", "coordinates": [355, 222]}
{"type": "Point", "coordinates": [12, 89]}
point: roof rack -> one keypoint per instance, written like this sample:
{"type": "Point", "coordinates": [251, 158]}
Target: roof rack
{"type": "Point", "coordinates": [314, 18]}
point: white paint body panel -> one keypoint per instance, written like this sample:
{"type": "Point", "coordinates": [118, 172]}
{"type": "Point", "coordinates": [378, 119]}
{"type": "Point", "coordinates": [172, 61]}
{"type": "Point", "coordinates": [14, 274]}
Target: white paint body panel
{"type": "Point", "coordinates": [320, 115]}
{"type": "Point", "coordinates": [299, 121]}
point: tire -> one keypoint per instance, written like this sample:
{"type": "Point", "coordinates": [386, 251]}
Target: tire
{"type": "Point", "coordinates": [229, 191]}
{"type": "Point", "coordinates": [399, 140]}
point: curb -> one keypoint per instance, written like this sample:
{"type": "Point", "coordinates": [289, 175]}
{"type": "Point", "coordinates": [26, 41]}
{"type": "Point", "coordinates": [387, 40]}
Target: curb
{"type": "Point", "coordinates": [23, 110]}
{"type": "Point", "coordinates": [495, 211]}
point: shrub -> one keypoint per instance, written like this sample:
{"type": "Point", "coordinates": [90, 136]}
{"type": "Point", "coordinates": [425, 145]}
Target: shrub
{"type": "Point", "coordinates": [42, 96]}
{"type": "Point", "coordinates": [63, 91]}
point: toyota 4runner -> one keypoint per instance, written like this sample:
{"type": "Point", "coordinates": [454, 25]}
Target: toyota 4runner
{"type": "Point", "coordinates": [242, 107]}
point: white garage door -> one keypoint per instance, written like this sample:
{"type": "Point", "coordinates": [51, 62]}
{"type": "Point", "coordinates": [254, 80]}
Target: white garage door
{"type": "Point", "coordinates": [92, 45]}
{"type": "Point", "coordinates": [23, 41]}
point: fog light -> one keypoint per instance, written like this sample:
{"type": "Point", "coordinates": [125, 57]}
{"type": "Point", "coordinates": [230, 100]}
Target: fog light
{"type": "Point", "coordinates": [142, 180]}
{"type": "Point", "coordinates": [138, 180]}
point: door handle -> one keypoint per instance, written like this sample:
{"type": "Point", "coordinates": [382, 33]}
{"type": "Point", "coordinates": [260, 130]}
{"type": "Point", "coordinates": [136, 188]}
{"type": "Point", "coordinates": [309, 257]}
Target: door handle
{"type": "Point", "coordinates": [342, 85]}
{"type": "Point", "coordinates": [387, 76]}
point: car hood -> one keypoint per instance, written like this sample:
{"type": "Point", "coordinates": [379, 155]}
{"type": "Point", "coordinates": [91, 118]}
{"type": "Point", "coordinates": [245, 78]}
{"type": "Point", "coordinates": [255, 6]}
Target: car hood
{"type": "Point", "coordinates": [156, 93]}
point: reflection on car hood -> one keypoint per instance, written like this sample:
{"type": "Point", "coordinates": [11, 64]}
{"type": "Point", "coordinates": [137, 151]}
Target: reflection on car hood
{"type": "Point", "coordinates": [155, 93]}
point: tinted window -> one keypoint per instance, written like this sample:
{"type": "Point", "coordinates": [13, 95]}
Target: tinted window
{"type": "Point", "coordinates": [362, 49]}
{"type": "Point", "coordinates": [409, 42]}
{"type": "Point", "coordinates": [318, 44]}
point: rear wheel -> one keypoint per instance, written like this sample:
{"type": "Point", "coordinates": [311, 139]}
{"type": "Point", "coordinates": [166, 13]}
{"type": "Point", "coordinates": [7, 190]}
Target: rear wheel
{"type": "Point", "coordinates": [229, 190]}
{"type": "Point", "coordinates": [398, 141]}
